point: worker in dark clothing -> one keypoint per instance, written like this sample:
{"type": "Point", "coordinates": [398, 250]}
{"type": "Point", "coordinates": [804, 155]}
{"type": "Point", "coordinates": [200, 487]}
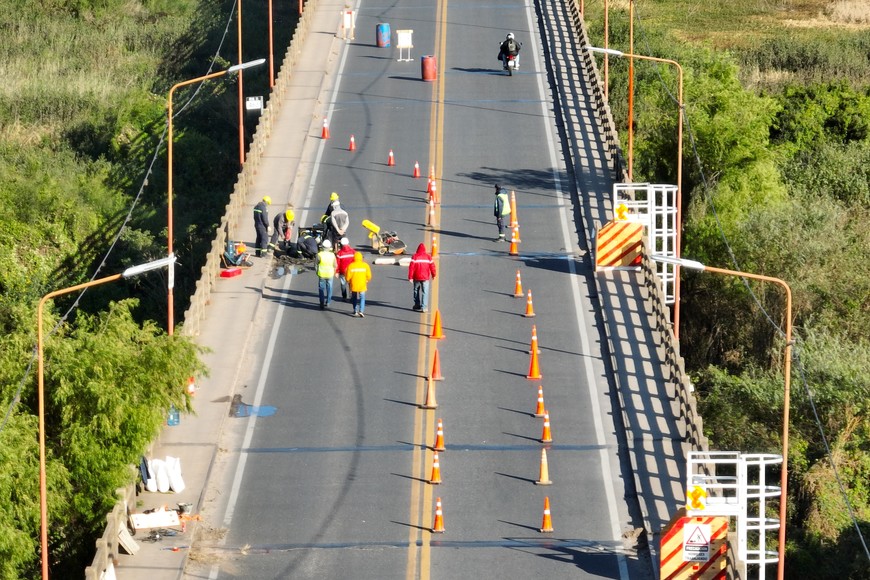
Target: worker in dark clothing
{"type": "Point", "coordinates": [282, 229]}
{"type": "Point", "coordinates": [261, 224]}
{"type": "Point", "coordinates": [333, 204]}
{"type": "Point", "coordinates": [307, 245]}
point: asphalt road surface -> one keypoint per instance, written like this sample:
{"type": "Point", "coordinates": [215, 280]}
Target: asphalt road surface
{"type": "Point", "coordinates": [335, 483]}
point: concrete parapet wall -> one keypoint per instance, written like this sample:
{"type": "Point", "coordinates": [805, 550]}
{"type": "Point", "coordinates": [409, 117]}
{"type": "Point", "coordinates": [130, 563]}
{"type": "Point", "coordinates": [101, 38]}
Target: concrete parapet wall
{"type": "Point", "coordinates": [694, 424]}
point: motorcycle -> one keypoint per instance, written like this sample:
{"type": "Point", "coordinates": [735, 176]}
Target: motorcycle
{"type": "Point", "coordinates": [511, 63]}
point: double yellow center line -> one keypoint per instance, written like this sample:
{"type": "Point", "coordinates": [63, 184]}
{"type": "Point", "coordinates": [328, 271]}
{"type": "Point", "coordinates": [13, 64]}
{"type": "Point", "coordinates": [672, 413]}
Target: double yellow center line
{"type": "Point", "coordinates": [420, 508]}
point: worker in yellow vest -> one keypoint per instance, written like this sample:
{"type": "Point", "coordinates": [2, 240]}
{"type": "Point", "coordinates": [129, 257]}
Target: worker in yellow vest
{"type": "Point", "coordinates": [326, 267]}
{"type": "Point", "coordinates": [501, 209]}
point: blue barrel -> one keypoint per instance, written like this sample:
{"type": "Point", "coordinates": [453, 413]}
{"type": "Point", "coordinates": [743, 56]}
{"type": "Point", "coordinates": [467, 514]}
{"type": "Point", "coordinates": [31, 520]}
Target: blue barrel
{"type": "Point", "coordinates": [383, 35]}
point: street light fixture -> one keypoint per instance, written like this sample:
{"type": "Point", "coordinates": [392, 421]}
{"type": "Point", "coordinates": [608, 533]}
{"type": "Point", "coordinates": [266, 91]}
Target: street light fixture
{"type": "Point", "coordinates": [679, 201]}
{"type": "Point", "coordinates": [170, 325]}
{"type": "Point", "coordinates": [43, 492]}
{"type": "Point", "coordinates": [694, 265]}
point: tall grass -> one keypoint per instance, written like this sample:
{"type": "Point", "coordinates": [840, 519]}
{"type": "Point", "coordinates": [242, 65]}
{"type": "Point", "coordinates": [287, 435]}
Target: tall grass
{"type": "Point", "coordinates": [849, 11]}
{"type": "Point", "coordinates": [55, 67]}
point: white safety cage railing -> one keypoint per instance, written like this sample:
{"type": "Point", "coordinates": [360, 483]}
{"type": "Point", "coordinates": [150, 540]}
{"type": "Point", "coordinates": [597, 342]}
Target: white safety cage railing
{"type": "Point", "coordinates": [735, 485]}
{"type": "Point", "coordinates": [654, 206]}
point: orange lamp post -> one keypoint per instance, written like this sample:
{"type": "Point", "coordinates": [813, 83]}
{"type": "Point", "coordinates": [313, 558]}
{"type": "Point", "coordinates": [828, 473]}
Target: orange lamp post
{"type": "Point", "coordinates": [693, 265]}
{"type": "Point", "coordinates": [43, 488]}
{"type": "Point", "coordinates": [679, 200]}
{"type": "Point", "coordinates": [169, 234]}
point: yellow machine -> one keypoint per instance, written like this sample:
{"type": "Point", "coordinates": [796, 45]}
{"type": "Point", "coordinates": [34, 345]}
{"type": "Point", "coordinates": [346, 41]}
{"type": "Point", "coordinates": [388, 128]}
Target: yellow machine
{"type": "Point", "coordinates": [383, 242]}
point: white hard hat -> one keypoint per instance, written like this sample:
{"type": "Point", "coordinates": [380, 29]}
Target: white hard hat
{"type": "Point", "coordinates": [327, 244]}
{"type": "Point", "coordinates": [345, 242]}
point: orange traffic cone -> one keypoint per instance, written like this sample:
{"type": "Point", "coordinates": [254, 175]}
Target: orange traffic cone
{"type": "Point", "coordinates": [430, 402]}
{"type": "Point", "coordinates": [544, 477]}
{"type": "Point", "coordinates": [546, 436]}
{"type": "Point", "coordinates": [534, 346]}
{"type": "Point", "coordinates": [429, 187]}
{"type": "Point", "coordinates": [547, 523]}
{"type": "Point", "coordinates": [416, 170]}
{"type": "Point", "coordinates": [534, 369]}
{"type": "Point", "coordinates": [518, 287]}
{"type": "Point", "coordinates": [391, 159]}
{"type": "Point", "coordinates": [434, 246]}
{"type": "Point", "coordinates": [438, 525]}
{"type": "Point", "coordinates": [352, 146]}
{"type": "Point", "coordinates": [540, 409]}
{"type": "Point", "coordinates": [530, 309]}
{"type": "Point", "coordinates": [515, 239]}
{"type": "Point", "coordinates": [439, 438]}
{"type": "Point", "coordinates": [437, 332]}
{"type": "Point", "coordinates": [435, 478]}
{"type": "Point", "coordinates": [324, 133]}
{"type": "Point", "coordinates": [514, 221]}
{"type": "Point", "coordinates": [432, 172]}
{"type": "Point", "coordinates": [434, 192]}
{"type": "Point", "coordinates": [191, 387]}
{"type": "Point", "coordinates": [436, 368]}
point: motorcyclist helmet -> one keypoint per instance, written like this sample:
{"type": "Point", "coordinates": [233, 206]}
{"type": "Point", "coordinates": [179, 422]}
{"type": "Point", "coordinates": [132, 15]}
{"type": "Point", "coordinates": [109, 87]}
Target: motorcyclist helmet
{"type": "Point", "coordinates": [510, 36]}
{"type": "Point", "coordinates": [345, 242]}
{"type": "Point", "coordinates": [327, 244]}
{"type": "Point", "coordinates": [268, 200]}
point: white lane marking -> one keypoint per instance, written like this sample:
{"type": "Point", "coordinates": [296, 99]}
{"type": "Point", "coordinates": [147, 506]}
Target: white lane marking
{"type": "Point", "coordinates": [578, 307]}
{"type": "Point", "coordinates": [273, 337]}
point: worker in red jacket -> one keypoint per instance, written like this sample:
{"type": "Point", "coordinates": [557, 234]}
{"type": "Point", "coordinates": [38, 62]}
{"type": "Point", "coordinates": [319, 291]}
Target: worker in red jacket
{"type": "Point", "coordinates": [420, 271]}
{"type": "Point", "coordinates": [344, 257]}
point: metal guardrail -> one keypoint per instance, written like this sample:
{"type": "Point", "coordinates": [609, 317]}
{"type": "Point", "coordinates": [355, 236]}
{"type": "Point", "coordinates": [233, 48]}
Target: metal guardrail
{"type": "Point", "coordinates": [694, 424]}
{"type": "Point", "coordinates": [108, 544]}
{"type": "Point", "coordinates": [605, 117]}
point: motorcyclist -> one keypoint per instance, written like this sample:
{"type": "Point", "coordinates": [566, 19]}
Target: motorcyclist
{"type": "Point", "coordinates": [510, 47]}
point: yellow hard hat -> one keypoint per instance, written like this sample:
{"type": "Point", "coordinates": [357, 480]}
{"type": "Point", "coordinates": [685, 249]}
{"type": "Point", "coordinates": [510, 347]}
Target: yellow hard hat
{"type": "Point", "coordinates": [289, 215]}
{"type": "Point", "coordinates": [268, 200]}
{"type": "Point", "coordinates": [333, 197]}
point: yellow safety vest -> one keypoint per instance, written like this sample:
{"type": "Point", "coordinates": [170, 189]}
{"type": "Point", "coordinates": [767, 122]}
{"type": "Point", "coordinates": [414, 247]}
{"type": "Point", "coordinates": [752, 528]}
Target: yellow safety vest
{"type": "Point", "coordinates": [505, 204]}
{"type": "Point", "coordinates": [326, 264]}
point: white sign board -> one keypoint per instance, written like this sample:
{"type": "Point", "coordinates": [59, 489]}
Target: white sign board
{"type": "Point", "coordinates": [348, 24]}
{"type": "Point", "coordinates": [157, 519]}
{"type": "Point", "coordinates": [696, 543]}
{"type": "Point", "coordinates": [405, 42]}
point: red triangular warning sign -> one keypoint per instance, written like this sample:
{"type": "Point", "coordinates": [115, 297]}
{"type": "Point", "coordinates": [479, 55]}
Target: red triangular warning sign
{"type": "Point", "coordinates": [697, 538]}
